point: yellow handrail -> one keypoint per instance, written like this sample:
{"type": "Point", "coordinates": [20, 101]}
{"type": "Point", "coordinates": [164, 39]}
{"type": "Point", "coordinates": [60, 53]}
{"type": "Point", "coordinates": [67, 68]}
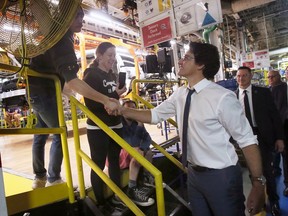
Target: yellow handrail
{"type": "Point", "coordinates": [62, 126]}
{"type": "Point", "coordinates": [80, 155]}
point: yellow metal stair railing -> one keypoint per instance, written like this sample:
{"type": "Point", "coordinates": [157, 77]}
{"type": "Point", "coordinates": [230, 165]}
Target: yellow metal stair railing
{"type": "Point", "coordinates": [81, 155]}
{"type": "Point", "coordinates": [136, 97]}
{"type": "Point", "coordinates": [61, 130]}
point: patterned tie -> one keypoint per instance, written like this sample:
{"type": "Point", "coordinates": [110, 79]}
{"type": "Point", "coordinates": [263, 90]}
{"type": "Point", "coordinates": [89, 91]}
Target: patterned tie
{"type": "Point", "coordinates": [185, 127]}
{"type": "Point", "coordinates": [247, 108]}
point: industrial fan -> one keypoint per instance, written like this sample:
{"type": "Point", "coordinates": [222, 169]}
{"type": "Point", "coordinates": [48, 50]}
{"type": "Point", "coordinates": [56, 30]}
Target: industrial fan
{"type": "Point", "coordinates": [30, 27]}
{"type": "Point", "coordinates": [35, 24]}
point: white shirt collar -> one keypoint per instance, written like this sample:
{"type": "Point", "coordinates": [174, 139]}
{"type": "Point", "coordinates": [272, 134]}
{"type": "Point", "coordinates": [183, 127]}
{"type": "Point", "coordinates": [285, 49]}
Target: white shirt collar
{"type": "Point", "coordinates": [200, 85]}
{"type": "Point", "coordinates": [249, 89]}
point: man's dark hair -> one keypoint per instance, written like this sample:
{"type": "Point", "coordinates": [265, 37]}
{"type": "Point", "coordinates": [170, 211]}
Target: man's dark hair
{"type": "Point", "coordinates": [245, 68]}
{"type": "Point", "coordinates": [208, 55]}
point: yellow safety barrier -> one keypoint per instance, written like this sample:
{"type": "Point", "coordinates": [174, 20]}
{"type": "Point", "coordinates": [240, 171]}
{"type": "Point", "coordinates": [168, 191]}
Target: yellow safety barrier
{"type": "Point", "coordinates": [62, 126]}
{"type": "Point", "coordinates": [81, 155]}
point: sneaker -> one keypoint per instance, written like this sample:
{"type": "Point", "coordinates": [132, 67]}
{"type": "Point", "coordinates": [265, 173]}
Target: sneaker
{"type": "Point", "coordinates": [110, 209]}
{"type": "Point", "coordinates": [117, 201]}
{"type": "Point", "coordinates": [59, 181]}
{"type": "Point", "coordinates": [39, 182]}
{"type": "Point", "coordinates": [149, 179]}
{"type": "Point", "coordinates": [139, 197]}
{"type": "Point", "coordinates": [116, 212]}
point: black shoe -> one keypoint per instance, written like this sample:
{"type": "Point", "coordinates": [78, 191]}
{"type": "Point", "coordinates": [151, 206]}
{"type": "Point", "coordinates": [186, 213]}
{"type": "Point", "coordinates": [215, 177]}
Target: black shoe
{"type": "Point", "coordinates": [110, 209]}
{"type": "Point", "coordinates": [139, 197]}
{"type": "Point", "coordinates": [117, 201]}
{"type": "Point", "coordinates": [275, 210]}
{"type": "Point", "coordinates": [285, 192]}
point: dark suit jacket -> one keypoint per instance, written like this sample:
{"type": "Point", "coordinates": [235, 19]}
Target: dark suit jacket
{"type": "Point", "coordinates": [279, 94]}
{"type": "Point", "coordinates": [266, 116]}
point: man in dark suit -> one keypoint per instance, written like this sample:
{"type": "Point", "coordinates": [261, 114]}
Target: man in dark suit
{"type": "Point", "coordinates": [266, 124]}
{"type": "Point", "coordinates": [279, 94]}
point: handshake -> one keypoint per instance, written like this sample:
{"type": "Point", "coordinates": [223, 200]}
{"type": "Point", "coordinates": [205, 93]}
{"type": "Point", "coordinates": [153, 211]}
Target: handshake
{"type": "Point", "coordinates": [113, 107]}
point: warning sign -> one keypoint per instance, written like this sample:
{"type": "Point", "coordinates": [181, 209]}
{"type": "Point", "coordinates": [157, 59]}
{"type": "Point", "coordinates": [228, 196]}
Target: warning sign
{"type": "Point", "coordinates": [150, 8]}
{"type": "Point", "coordinates": [256, 60]}
{"type": "Point", "coordinates": [197, 14]}
{"type": "Point", "coordinates": [157, 30]}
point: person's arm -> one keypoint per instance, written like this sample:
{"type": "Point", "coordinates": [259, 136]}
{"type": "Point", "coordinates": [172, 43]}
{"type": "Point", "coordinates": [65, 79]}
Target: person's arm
{"type": "Point", "coordinates": [256, 198]}
{"type": "Point", "coordinates": [143, 116]}
{"type": "Point", "coordinates": [253, 159]}
{"type": "Point", "coordinates": [85, 90]}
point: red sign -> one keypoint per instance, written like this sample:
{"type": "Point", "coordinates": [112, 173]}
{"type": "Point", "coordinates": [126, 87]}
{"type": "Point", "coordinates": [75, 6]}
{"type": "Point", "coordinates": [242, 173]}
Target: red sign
{"type": "Point", "coordinates": [157, 32]}
{"type": "Point", "coordinates": [249, 64]}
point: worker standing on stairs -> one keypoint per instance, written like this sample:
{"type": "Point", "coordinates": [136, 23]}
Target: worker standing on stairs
{"type": "Point", "coordinates": [100, 76]}
{"type": "Point", "coordinates": [60, 60]}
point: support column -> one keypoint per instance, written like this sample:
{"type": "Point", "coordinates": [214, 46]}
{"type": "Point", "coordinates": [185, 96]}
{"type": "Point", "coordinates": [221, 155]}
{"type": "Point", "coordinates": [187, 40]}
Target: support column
{"type": "Point", "coordinates": [3, 205]}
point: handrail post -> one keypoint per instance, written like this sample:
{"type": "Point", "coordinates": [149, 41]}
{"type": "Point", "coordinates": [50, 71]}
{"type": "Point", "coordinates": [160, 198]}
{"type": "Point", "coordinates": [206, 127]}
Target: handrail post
{"type": "Point", "coordinates": [3, 205]}
{"type": "Point", "coordinates": [63, 135]}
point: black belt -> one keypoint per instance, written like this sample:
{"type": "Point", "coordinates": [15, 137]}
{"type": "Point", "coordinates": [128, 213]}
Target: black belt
{"type": "Point", "coordinates": [200, 168]}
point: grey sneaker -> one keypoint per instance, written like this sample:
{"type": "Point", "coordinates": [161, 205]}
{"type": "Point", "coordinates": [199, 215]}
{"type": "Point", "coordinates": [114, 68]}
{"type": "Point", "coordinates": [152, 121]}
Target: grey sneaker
{"type": "Point", "coordinates": [59, 181]}
{"type": "Point", "coordinates": [39, 182]}
{"type": "Point", "coordinates": [139, 197]}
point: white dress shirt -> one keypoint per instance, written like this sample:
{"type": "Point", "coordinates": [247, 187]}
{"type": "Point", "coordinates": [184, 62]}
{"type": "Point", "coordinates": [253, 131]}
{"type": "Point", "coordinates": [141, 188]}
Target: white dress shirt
{"type": "Point", "coordinates": [215, 115]}
{"type": "Point", "coordinates": [241, 98]}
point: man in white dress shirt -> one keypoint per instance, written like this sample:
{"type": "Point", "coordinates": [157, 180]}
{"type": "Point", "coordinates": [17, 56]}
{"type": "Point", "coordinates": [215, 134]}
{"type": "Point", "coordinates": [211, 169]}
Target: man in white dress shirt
{"type": "Point", "coordinates": [214, 177]}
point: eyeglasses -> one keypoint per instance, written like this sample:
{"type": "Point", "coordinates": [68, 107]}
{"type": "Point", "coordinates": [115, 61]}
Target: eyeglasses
{"type": "Point", "coordinates": [187, 58]}
{"type": "Point", "coordinates": [271, 77]}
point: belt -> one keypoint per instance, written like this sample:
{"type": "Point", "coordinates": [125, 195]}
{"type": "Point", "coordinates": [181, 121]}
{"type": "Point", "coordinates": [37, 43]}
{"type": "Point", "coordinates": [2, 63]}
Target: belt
{"type": "Point", "coordinates": [200, 168]}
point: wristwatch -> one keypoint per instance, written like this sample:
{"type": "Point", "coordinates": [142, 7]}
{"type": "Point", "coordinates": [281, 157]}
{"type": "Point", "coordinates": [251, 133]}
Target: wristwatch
{"type": "Point", "coordinates": [261, 179]}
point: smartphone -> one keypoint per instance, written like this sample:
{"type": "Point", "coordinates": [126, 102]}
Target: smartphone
{"type": "Point", "coordinates": [122, 79]}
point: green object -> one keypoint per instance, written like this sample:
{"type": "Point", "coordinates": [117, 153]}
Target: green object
{"type": "Point", "coordinates": [206, 33]}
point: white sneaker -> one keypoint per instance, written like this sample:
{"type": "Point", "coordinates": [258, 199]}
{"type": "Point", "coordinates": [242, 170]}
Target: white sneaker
{"type": "Point", "coordinates": [59, 181]}
{"type": "Point", "coordinates": [39, 183]}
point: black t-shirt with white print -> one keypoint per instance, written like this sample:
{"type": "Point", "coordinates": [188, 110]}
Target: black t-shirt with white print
{"type": "Point", "coordinates": [104, 83]}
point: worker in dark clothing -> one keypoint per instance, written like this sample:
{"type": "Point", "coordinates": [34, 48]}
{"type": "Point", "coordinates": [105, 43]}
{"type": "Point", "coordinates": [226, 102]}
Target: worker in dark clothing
{"type": "Point", "coordinates": [279, 94]}
{"type": "Point", "coordinates": [265, 121]}
{"type": "Point", "coordinates": [60, 60]}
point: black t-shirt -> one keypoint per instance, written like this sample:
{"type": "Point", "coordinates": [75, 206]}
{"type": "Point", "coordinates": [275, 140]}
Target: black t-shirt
{"type": "Point", "coordinates": [104, 83]}
{"type": "Point", "coordinates": [59, 59]}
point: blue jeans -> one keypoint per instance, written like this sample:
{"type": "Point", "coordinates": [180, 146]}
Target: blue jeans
{"type": "Point", "coordinates": [43, 101]}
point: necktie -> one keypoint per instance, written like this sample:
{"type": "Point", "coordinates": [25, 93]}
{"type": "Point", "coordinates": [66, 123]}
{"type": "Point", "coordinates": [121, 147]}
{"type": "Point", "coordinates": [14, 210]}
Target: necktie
{"type": "Point", "coordinates": [185, 127]}
{"type": "Point", "coordinates": [247, 108]}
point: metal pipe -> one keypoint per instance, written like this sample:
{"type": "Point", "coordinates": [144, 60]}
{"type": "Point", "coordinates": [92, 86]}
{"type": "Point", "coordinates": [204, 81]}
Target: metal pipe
{"type": "Point", "coordinates": [266, 33]}
{"type": "Point", "coordinates": [207, 31]}
{"type": "Point", "coordinates": [3, 205]}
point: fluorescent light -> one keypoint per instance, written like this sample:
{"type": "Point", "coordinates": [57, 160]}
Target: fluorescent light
{"type": "Point", "coordinates": [278, 51]}
{"type": "Point", "coordinates": [172, 42]}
